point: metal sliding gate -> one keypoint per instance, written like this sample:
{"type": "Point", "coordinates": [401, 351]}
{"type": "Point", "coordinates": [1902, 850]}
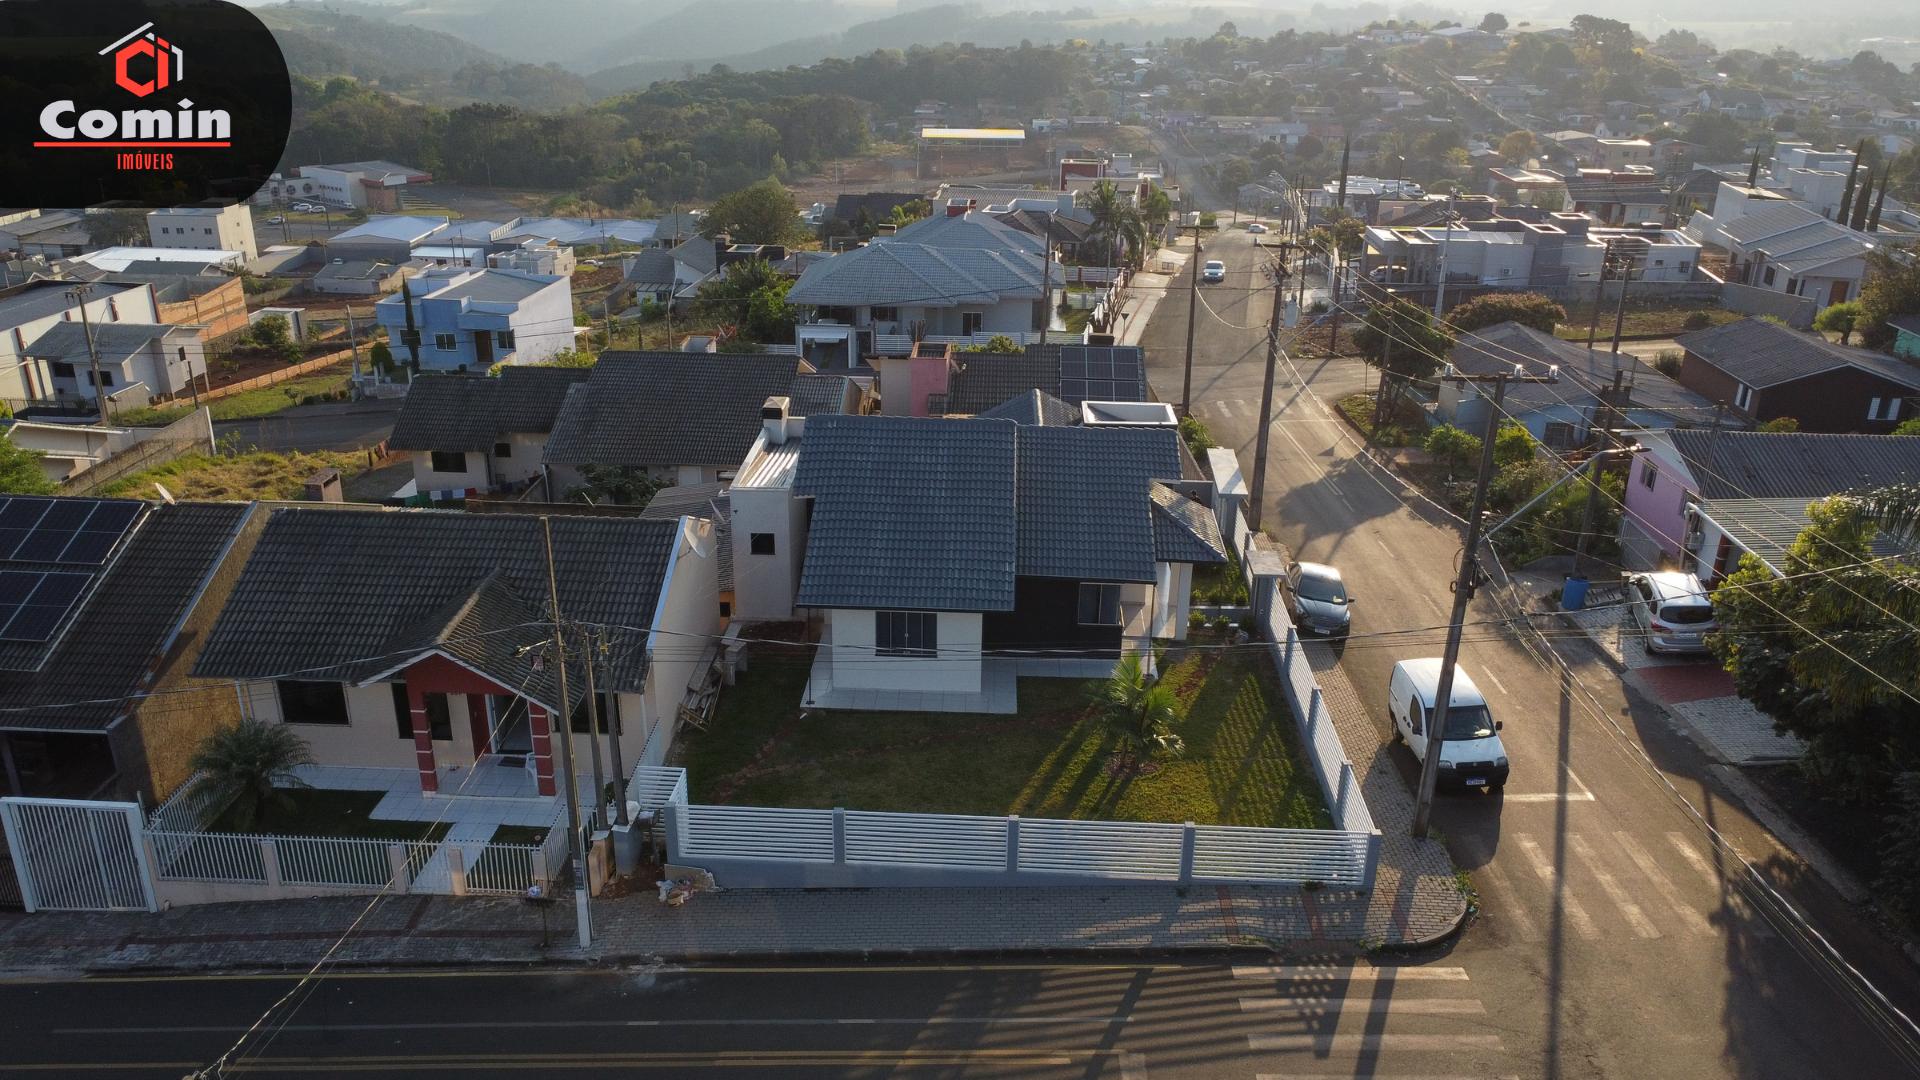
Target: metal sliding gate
{"type": "Point", "coordinates": [70, 855]}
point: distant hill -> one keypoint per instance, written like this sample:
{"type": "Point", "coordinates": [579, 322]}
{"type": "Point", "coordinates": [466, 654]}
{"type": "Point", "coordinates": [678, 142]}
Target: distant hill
{"type": "Point", "coordinates": [426, 65]}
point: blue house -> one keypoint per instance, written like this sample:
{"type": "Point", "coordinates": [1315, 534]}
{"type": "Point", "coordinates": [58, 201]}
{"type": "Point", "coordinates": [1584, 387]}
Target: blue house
{"type": "Point", "coordinates": [472, 319]}
{"type": "Point", "coordinates": [1906, 341]}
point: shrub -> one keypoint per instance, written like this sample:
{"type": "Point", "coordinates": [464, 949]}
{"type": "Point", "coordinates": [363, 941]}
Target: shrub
{"type": "Point", "coordinates": [998, 343]}
{"type": "Point", "coordinates": [1512, 445]}
{"type": "Point", "coordinates": [1697, 320]}
{"type": "Point", "coordinates": [1781, 424]}
{"type": "Point", "coordinates": [1667, 362]}
{"type": "Point", "coordinates": [1527, 309]}
{"type": "Point", "coordinates": [1452, 446]}
{"type": "Point", "coordinates": [1193, 431]}
{"type": "Point", "coordinates": [1196, 620]}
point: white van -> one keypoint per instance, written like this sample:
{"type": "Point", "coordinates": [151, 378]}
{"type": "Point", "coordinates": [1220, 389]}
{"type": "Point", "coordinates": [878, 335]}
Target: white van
{"type": "Point", "coordinates": [1472, 755]}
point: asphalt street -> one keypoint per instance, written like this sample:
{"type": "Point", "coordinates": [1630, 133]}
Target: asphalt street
{"type": "Point", "coordinates": [1042, 1021]}
{"type": "Point", "coordinates": [1615, 940]}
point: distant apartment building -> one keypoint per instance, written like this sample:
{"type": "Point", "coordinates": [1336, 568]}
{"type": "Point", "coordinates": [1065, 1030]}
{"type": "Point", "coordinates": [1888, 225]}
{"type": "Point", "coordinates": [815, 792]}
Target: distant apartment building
{"type": "Point", "coordinates": [205, 228]}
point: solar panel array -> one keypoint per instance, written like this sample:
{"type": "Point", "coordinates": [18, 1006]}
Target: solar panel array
{"type": "Point", "coordinates": [36, 533]}
{"type": "Point", "coordinates": [1101, 373]}
{"type": "Point", "coordinates": [79, 531]}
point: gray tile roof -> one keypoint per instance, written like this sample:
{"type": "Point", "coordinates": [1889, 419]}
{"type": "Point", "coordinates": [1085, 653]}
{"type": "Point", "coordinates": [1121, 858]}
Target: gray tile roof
{"type": "Point", "coordinates": [1769, 527]}
{"type": "Point", "coordinates": [1762, 354]}
{"type": "Point", "coordinates": [811, 395]}
{"type": "Point", "coordinates": [349, 594]}
{"type": "Point", "coordinates": [668, 408]}
{"type": "Point", "coordinates": [67, 341]}
{"type": "Point", "coordinates": [1792, 465]}
{"type": "Point", "coordinates": [1035, 408]}
{"type": "Point", "coordinates": [1085, 500]}
{"type": "Point", "coordinates": [945, 514]}
{"type": "Point", "coordinates": [878, 205]}
{"type": "Point", "coordinates": [939, 262]}
{"type": "Point", "coordinates": [1583, 372]}
{"type": "Point", "coordinates": [466, 412]}
{"type": "Point", "coordinates": [652, 267]}
{"type": "Point", "coordinates": [492, 285]}
{"type": "Point", "coordinates": [109, 650]}
{"type": "Point", "coordinates": [1184, 530]}
{"type": "Point", "coordinates": [981, 381]}
{"type": "Point", "coordinates": [908, 513]}
{"type": "Point", "coordinates": [709, 501]}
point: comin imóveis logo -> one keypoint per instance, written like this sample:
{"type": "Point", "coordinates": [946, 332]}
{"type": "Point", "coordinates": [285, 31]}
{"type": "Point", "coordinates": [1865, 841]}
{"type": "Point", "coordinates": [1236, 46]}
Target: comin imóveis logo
{"type": "Point", "coordinates": [144, 63]}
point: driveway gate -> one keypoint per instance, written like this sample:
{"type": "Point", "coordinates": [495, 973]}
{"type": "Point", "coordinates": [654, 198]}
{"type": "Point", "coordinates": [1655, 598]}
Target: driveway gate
{"type": "Point", "coordinates": [78, 856]}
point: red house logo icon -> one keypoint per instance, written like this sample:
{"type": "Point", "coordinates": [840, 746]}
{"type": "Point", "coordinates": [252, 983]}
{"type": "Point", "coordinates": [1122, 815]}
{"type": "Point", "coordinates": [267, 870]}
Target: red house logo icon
{"type": "Point", "coordinates": [143, 52]}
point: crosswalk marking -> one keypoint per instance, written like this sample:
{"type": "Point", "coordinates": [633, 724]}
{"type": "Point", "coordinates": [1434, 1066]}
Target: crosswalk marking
{"type": "Point", "coordinates": [1634, 916]}
{"type": "Point", "coordinates": [1663, 884]}
{"type": "Point", "coordinates": [1550, 877]}
{"type": "Point", "coordinates": [1727, 888]}
{"type": "Point", "coordinates": [1414, 1007]}
{"type": "Point", "coordinates": [1352, 974]}
{"type": "Point", "coordinates": [1352, 1044]}
{"type": "Point", "coordinates": [1514, 911]}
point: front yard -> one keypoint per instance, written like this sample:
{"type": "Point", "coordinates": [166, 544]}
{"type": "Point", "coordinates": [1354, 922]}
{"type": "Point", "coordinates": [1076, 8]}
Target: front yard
{"type": "Point", "coordinates": [1242, 765]}
{"type": "Point", "coordinates": [329, 812]}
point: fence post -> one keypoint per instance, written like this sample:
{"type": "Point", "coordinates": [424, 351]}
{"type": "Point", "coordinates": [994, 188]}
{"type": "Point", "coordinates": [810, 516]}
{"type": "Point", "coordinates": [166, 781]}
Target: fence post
{"type": "Point", "coordinates": [1314, 707]}
{"type": "Point", "coordinates": [540, 867]}
{"type": "Point", "coordinates": [1292, 634]}
{"type": "Point", "coordinates": [1188, 836]}
{"type": "Point", "coordinates": [1013, 843]}
{"type": "Point", "coordinates": [1373, 861]}
{"type": "Point", "coordinates": [270, 861]}
{"type": "Point", "coordinates": [839, 836]}
{"type": "Point", "coordinates": [1340, 800]}
{"type": "Point", "coordinates": [401, 880]}
{"type": "Point", "coordinates": [456, 870]}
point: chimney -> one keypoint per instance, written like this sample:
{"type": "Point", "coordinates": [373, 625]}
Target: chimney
{"type": "Point", "coordinates": [885, 228]}
{"type": "Point", "coordinates": [1065, 204]}
{"type": "Point", "coordinates": [324, 486]}
{"type": "Point", "coordinates": [773, 419]}
{"type": "Point", "coordinates": [958, 205]}
{"type": "Point", "coordinates": [721, 242]}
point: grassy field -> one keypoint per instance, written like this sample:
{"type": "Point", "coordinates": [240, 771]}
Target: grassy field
{"type": "Point", "coordinates": [261, 474]}
{"type": "Point", "coordinates": [1640, 322]}
{"type": "Point", "coordinates": [1242, 765]}
{"type": "Point", "coordinates": [1404, 429]}
{"type": "Point", "coordinates": [324, 812]}
{"type": "Point", "coordinates": [248, 404]}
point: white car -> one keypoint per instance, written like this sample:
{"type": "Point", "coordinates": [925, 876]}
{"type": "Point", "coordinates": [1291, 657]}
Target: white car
{"type": "Point", "coordinates": [1472, 755]}
{"type": "Point", "coordinates": [1213, 271]}
{"type": "Point", "coordinates": [1256, 227]}
{"type": "Point", "coordinates": [1672, 610]}
{"type": "Point", "coordinates": [276, 220]}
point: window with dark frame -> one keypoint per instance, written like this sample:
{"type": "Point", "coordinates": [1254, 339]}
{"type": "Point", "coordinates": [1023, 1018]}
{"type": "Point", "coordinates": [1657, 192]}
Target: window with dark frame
{"type": "Point", "coordinates": [502, 450]}
{"type": "Point", "coordinates": [1099, 604]}
{"type": "Point", "coordinates": [761, 543]}
{"type": "Point", "coordinates": [1649, 475]}
{"type": "Point", "coordinates": [304, 701]}
{"type": "Point", "coordinates": [445, 342]}
{"type": "Point", "coordinates": [609, 714]}
{"type": "Point", "coordinates": [503, 339]}
{"type": "Point", "coordinates": [449, 461]}
{"type": "Point", "coordinates": [905, 633]}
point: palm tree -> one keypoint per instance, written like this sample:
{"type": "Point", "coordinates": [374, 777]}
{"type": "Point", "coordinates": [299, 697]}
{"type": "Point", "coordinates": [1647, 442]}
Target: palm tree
{"type": "Point", "coordinates": [249, 765]}
{"type": "Point", "coordinates": [1139, 713]}
{"type": "Point", "coordinates": [1116, 221]}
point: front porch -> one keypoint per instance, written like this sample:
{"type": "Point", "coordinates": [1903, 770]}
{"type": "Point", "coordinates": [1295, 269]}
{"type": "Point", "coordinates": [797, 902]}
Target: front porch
{"type": "Point", "coordinates": [494, 791]}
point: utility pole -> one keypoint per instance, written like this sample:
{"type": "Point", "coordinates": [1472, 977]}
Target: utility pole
{"type": "Point", "coordinates": [563, 725]}
{"type": "Point", "coordinates": [1600, 293]}
{"type": "Point", "coordinates": [599, 647]}
{"type": "Point", "coordinates": [1266, 398]}
{"type": "Point", "coordinates": [411, 337]}
{"type": "Point", "coordinates": [593, 740]}
{"type": "Point", "coordinates": [1609, 420]}
{"type": "Point", "coordinates": [1333, 292]}
{"type": "Point", "coordinates": [1620, 307]}
{"type": "Point", "coordinates": [353, 341]}
{"type": "Point", "coordinates": [1193, 300]}
{"type": "Point", "coordinates": [78, 297]}
{"type": "Point", "coordinates": [1446, 246]}
{"type": "Point", "coordinates": [1046, 279]}
{"type": "Point", "coordinates": [1463, 587]}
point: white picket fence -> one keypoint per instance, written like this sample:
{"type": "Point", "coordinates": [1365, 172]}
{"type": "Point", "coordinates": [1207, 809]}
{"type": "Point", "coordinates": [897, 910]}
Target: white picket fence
{"type": "Point", "coordinates": [352, 863]}
{"type": "Point", "coordinates": [781, 846]}
{"type": "Point", "coordinates": [1338, 780]}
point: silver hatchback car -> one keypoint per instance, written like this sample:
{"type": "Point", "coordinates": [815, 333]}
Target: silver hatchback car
{"type": "Point", "coordinates": [1672, 609]}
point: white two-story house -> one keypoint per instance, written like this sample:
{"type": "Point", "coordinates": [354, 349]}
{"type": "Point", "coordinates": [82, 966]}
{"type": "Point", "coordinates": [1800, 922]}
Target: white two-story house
{"type": "Point", "coordinates": [470, 320]}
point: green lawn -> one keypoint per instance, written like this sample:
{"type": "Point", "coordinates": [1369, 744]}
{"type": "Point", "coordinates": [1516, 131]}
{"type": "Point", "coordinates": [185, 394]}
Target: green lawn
{"type": "Point", "coordinates": [325, 812]}
{"type": "Point", "coordinates": [1242, 765]}
{"type": "Point", "coordinates": [1641, 321]}
{"type": "Point", "coordinates": [248, 404]}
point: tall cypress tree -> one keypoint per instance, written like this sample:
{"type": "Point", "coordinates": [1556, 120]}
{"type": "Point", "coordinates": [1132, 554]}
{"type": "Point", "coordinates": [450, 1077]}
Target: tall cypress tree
{"type": "Point", "coordinates": [1861, 204]}
{"type": "Point", "coordinates": [1886, 177]}
{"type": "Point", "coordinates": [1846, 199]}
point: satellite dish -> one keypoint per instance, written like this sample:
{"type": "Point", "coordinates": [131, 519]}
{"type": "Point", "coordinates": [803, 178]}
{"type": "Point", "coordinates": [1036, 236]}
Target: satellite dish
{"type": "Point", "coordinates": [165, 495]}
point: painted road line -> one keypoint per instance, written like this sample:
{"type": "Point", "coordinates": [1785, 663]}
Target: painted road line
{"type": "Point", "coordinates": [1727, 889]}
{"type": "Point", "coordinates": [1611, 886]}
{"type": "Point", "coordinates": [1354, 1044]}
{"type": "Point", "coordinates": [1407, 973]}
{"type": "Point", "coordinates": [482, 1025]}
{"type": "Point", "coordinates": [1064, 967]}
{"type": "Point", "coordinates": [1513, 910]}
{"type": "Point", "coordinates": [1342, 1006]}
{"type": "Point", "coordinates": [1550, 877]}
{"type": "Point", "coordinates": [1662, 884]}
{"type": "Point", "coordinates": [1547, 796]}
{"type": "Point", "coordinates": [1497, 684]}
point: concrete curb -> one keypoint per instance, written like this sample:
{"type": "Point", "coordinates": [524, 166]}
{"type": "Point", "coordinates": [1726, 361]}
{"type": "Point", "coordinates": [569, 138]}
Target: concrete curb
{"type": "Point", "coordinates": [1782, 826]}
